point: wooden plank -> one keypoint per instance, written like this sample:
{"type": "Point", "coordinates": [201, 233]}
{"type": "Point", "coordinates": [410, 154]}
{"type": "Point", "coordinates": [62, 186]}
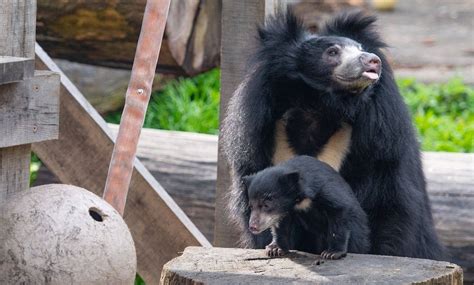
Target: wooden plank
{"type": "Point", "coordinates": [186, 164]}
{"type": "Point", "coordinates": [14, 169]}
{"type": "Point", "coordinates": [17, 28]}
{"type": "Point", "coordinates": [246, 266]}
{"type": "Point", "coordinates": [29, 110]}
{"type": "Point", "coordinates": [81, 157]}
{"type": "Point", "coordinates": [451, 191]}
{"type": "Point", "coordinates": [14, 69]}
{"type": "Point", "coordinates": [276, 6]}
{"type": "Point", "coordinates": [239, 22]}
{"type": "Point", "coordinates": [17, 38]}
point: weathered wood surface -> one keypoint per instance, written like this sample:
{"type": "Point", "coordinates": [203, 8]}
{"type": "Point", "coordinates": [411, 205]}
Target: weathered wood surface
{"type": "Point", "coordinates": [193, 34]}
{"type": "Point", "coordinates": [244, 266]}
{"type": "Point", "coordinates": [17, 38]}
{"type": "Point", "coordinates": [17, 28]}
{"type": "Point", "coordinates": [239, 19]}
{"type": "Point", "coordinates": [14, 169]}
{"type": "Point", "coordinates": [106, 32]}
{"type": "Point", "coordinates": [29, 110]}
{"type": "Point", "coordinates": [186, 165]}
{"type": "Point", "coordinates": [81, 157]}
{"type": "Point", "coordinates": [14, 69]}
{"type": "Point", "coordinates": [450, 178]}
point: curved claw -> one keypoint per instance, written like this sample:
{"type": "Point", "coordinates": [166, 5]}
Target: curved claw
{"type": "Point", "coordinates": [328, 254]}
{"type": "Point", "coordinates": [273, 250]}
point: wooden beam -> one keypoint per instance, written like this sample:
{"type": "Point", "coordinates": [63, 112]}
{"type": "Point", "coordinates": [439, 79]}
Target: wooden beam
{"type": "Point", "coordinates": [17, 38]}
{"type": "Point", "coordinates": [17, 28]}
{"type": "Point", "coordinates": [14, 69]}
{"type": "Point", "coordinates": [239, 22]}
{"type": "Point", "coordinates": [29, 110]}
{"type": "Point", "coordinates": [14, 169]}
{"type": "Point", "coordinates": [106, 33]}
{"type": "Point", "coordinates": [246, 266]}
{"type": "Point", "coordinates": [81, 157]}
{"type": "Point", "coordinates": [273, 7]}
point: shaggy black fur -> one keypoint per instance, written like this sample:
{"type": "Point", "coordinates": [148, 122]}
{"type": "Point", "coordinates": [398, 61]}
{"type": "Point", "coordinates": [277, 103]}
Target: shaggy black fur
{"type": "Point", "coordinates": [332, 224]}
{"type": "Point", "coordinates": [383, 167]}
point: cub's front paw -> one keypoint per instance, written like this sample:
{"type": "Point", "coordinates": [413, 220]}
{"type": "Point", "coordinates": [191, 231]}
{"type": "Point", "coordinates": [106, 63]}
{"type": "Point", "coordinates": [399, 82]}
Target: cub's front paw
{"type": "Point", "coordinates": [330, 254]}
{"type": "Point", "coordinates": [274, 250]}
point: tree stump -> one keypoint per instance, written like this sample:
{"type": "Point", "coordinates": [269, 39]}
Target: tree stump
{"type": "Point", "coordinates": [200, 265]}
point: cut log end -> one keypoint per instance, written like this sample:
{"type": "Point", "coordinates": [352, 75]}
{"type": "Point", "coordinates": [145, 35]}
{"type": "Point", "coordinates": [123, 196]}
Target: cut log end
{"type": "Point", "coordinates": [198, 265]}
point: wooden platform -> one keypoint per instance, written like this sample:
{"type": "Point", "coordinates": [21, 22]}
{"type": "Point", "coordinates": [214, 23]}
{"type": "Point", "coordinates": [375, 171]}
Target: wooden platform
{"type": "Point", "coordinates": [216, 265]}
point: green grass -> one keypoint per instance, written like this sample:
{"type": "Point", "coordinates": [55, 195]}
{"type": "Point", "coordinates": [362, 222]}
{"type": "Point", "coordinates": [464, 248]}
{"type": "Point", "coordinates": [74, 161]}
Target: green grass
{"type": "Point", "coordinates": [442, 113]}
{"type": "Point", "coordinates": [189, 104]}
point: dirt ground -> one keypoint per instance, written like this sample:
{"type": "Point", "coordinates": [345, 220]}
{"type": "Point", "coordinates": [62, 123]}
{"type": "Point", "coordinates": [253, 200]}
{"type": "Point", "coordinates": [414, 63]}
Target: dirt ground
{"type": "Point", "coordinates": [432, 40]}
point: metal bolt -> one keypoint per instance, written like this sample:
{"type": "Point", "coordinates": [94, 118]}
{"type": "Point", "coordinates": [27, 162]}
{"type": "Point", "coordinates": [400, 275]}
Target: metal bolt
{"type": "Point", "coordinates": [35, 129]}
{"type": "Point", "coordinates": [140, 91]}
{"type": "Point", "coordinates": [36, 88]}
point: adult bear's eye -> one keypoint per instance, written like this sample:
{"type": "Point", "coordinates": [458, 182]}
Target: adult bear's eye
{"type": "Point", "coordinates": [333, 51]}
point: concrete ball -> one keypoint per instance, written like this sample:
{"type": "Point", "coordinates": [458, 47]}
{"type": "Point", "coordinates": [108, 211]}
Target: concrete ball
{"type": "Point", "coordinates": [62, 234]}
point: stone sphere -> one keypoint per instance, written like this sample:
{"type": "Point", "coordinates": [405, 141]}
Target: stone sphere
{"type": "Point", "coordinates": [62, 234]}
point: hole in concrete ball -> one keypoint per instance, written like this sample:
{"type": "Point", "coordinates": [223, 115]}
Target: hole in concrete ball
{"type": "Point", "coordinates": [96, 214]}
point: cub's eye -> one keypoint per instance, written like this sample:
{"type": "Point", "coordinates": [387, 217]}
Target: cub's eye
{"type": "Point", "coordinates": [332, 51]}
{"type": "Point", "coordinates": [266, 207]}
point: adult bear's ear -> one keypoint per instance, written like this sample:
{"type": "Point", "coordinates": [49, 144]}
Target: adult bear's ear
{"type": "Point", "coordinates": [247, 180]}
{"type": "Point", "coordinates": [290, 178]}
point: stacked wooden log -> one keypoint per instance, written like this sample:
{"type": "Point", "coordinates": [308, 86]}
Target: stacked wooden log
{"type": "Point", "coordinates": [105, 32]}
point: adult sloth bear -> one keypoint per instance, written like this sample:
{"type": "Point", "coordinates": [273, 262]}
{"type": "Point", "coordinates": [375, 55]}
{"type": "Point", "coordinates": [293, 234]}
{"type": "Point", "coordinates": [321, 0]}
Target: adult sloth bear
{"type": "Point", "coordinates": [341, 82]}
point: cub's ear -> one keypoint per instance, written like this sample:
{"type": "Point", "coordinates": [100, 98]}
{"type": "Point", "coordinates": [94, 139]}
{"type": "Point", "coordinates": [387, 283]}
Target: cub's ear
{"type": "Point", "coordinates": [247, 180]}
{"type": "Point", "coordinates": [290, 178]}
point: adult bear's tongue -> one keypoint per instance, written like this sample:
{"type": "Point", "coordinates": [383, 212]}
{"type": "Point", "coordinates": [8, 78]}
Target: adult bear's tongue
{"type": "Point", "coordinates": [370, 75]}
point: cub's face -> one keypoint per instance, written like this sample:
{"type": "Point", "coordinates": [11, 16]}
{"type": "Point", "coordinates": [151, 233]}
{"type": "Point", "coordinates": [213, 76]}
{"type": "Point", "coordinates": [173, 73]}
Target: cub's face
{"type": "Point", "coordinates": [272, 194]}
{"type": "Point", "coordinates": [338, 63]}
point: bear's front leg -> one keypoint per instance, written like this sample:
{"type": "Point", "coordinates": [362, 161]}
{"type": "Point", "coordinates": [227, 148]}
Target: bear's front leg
{"type": "Point", "coordinates": [338, 239]}
{"type": "Point", "coordinates": [280, 242]}
{"type": "Point", "coordinates": [273, 249]}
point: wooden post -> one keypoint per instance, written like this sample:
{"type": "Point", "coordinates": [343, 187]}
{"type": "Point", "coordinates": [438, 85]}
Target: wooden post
{"type": "Point", "coordinates": [17, 37]}
{"type": "Point", "coordinates": [239, 26]}
{"type": "Point", "coordinates": [239, 22]}
{"type": "Point", "coordinates": [28, 113]}
{"type": "Point", "coordinates": [136, 102]}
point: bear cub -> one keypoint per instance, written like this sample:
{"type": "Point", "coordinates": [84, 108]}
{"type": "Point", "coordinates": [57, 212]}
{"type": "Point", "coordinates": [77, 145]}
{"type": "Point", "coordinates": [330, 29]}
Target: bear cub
{"type": "Point", "coordinates": [308, 207]}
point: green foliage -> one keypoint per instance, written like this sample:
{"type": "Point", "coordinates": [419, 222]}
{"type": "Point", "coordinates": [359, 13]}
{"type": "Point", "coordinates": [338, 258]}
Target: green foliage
{"type": "Point", "coordinates": [139, 280]}
{"type": "Point", "coordinates": [442, 113]}
{"type": "Point", "coordinates": [189, 104]}
{"type": "Point", "coordinates": [35, 164]}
